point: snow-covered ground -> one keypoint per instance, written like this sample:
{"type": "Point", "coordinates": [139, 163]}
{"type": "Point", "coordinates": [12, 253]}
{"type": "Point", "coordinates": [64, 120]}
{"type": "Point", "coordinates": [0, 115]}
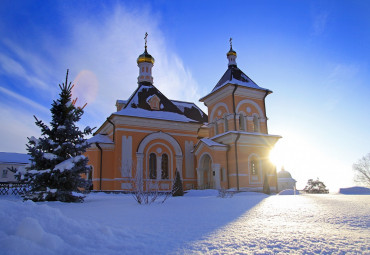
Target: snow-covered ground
{"type": "Point", "coordinates": [198, 223]}
{"type": "Point", "coordinates": [355, 191]}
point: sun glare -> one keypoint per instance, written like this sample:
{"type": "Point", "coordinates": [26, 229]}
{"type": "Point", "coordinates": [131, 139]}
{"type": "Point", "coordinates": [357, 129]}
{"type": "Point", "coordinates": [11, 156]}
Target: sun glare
{"type": "Point", "coordinates": [276, 157]}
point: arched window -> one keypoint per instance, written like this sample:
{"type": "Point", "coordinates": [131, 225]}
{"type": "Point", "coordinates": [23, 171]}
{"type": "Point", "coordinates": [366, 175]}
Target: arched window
{"type": "Point", "coordinates": [146, 69]}
{"type": "Point", "coordinates": [164, 166]}
{"type": "Point", "coordinates": [152, 166]}
{"type": "Point", "coordinates": [216, 127]}
{"type": "Point", "coordinates": [254, 169]}
{"type": "Point", "coordinates": [241, 122]}
{"type": "Point", "coordinates": [226, 124]}
{"type": "Point", "coordinates": [255, 124]}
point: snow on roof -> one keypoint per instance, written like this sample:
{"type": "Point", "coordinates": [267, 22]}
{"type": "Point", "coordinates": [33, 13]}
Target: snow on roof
{"type": "Point", "coordinates": [240, 83]}
{"type": "Point", "coordinates": [245, 133]}
{"type": "Point", "coordinates": [183, 106]}
{"type": "Point", "coordinates": [134, 97]}
{"type": "Point", "coordinates": [119, 101]}
{"type": "Point", "coordinates": [137, 106]}
{"type": "Point", "coordinates": [234, 75]}
{"type": "Point", "coordinates": [99, 138]}
{"type": "Point", "coordinates": [10, 157]}
{"type": "Point", "coordinates": [162, 115]}
{"type": "Point", "coordinates": [210, 142]}
{"type": "Point", "coordinates": [150, 97]}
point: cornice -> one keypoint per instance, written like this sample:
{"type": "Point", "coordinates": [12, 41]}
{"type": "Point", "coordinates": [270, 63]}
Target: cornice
{"type": "Point", "coordinates": [247, 138]}
{"type": "Point", "coordinates": [218, 95]}
{"type": "Point", "coordinates": [155, 124]}
{"type": "Point", "coordinates": [250, 93]}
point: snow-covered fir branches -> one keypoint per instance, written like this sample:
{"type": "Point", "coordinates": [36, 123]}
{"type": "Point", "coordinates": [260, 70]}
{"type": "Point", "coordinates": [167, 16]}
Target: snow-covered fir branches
{"type": "Point", "coordinates": [57, 163]}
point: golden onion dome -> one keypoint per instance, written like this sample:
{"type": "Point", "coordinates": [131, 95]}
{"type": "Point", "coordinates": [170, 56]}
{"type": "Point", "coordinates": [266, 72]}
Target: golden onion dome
{"type": "Point", "coordinates": [145, 57]}
{"type": "Point", "coordinates": [231, 52]}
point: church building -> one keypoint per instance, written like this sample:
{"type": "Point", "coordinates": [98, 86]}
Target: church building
{"type": "Point", "coordinates": [150, 137]}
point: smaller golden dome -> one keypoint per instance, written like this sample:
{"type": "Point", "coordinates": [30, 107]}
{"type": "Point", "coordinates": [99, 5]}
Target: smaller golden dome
{"type": "Point", "coordinates": [231, 52]}
{"type": "Point", "coordinates": [145, 57]}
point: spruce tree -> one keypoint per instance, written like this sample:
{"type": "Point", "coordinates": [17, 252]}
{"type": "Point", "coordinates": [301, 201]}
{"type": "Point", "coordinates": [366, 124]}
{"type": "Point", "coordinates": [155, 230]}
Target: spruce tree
{"type": "Point", "coordinates": [315, 187]}
{"type": "Point", "coordinates": [177, 189]}
{"type": "Point", "coordinates": [57, 162]}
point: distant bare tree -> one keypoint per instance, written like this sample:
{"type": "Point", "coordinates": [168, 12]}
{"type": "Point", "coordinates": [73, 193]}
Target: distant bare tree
{"type": "Point", "coordinates": [362, 170]}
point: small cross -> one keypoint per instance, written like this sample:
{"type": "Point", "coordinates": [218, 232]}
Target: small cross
{"type": "Point", "coordinates": [231, 42]}
{"type": "Point", "coordinates": [146, 36]}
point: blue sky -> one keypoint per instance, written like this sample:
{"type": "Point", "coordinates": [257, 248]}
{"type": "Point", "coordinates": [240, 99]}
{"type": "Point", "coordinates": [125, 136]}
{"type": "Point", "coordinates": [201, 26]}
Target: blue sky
{"type": "Point", "coordinates": [314, 55]}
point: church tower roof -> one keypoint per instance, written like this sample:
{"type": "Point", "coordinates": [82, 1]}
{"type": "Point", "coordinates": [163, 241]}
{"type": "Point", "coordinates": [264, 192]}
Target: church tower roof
{"type": "Point", "coordinates": [234, 75]}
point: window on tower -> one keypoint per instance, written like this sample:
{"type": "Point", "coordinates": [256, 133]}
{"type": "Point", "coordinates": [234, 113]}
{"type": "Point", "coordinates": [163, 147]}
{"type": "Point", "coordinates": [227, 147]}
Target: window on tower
{"type": "Point", "coordinates": [226, 124]}
{"type": "Point", "coordinates": [216, 127]}
{"type": "Point", "coordinates": [241, 122]}
{"type": "Point", "coordinates": [255, 124]}
{"type": "Point", "coordinates": [254, 169]}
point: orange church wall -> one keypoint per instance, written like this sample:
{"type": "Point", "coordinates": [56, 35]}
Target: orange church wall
{"type": "Point", "coordinates": [112, 161]}
{"type": "Point", "coordinates": [244, 153]}
{"type": "Point", "coordinates": [217, 111]}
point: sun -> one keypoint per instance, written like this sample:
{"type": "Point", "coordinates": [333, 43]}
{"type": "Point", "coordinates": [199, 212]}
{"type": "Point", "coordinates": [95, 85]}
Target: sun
{"type": "Point", "coordinates": [277, 156]}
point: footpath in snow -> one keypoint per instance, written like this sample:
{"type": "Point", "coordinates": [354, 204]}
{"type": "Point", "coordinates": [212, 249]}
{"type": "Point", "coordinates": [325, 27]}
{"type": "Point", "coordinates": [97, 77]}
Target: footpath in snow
{"type": "Point", "coordinates": [198, 223]}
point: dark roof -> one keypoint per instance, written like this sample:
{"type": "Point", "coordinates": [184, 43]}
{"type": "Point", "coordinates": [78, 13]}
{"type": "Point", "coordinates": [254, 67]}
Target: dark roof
{"type": "Point", "coordinates": [191, 110]}
{"type": "Point", "coordinates": [234, 74]}
{"type": "Point", "coordinates": [16, 158]}
{"type": "Point", "coordinates": [185, 111]}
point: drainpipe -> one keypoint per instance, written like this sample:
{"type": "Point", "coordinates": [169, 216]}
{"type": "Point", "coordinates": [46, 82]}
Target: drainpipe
{"type": "Point", "coordinates": [236, 141]}
{"type": "Point", "coordinates": [264, 105]}
{"type": "Point", "coordinates": [233, 94]}
{"type": "Point", "coordinates": [101, 163]}
{"type": "Point", "coordinates": [236, 162]}
{"type": "Point", "coordinates": [114, 128]}
{"type": "Point", "coordinates": [227, 166]}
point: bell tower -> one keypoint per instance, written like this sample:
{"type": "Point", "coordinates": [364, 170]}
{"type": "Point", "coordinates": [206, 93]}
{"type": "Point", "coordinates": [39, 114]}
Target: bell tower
{"type": "Point", "coordinates": [231, 55]}
{"type": "Point", "coordinates": [145, 63]}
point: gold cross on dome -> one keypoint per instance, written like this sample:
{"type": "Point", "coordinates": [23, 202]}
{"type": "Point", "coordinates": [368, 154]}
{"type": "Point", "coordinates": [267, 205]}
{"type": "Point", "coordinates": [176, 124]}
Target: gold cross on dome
{"type": "Point", "coordinates": [146, 37]}
{"type": "Point", "coordinates": [231, 42]}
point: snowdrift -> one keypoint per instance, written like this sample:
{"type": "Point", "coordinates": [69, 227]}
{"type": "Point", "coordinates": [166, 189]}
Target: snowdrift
{"type": "Point", "coordinates": [355, 191]}
{"type": "Point", "coordinates": [289, 192]}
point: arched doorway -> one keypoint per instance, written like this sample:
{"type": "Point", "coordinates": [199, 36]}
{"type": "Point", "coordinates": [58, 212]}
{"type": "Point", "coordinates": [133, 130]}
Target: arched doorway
{"type": "Point", "coordinates": [205, 173]}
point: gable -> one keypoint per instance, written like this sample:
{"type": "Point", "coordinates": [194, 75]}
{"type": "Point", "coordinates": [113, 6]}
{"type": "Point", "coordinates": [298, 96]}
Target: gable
{"type": "Point", "coordinates": [154, 102]}
{"type": "Point", "coordinates": [235, 76]}
{"type": "Point", "coordinates": [148, 102]}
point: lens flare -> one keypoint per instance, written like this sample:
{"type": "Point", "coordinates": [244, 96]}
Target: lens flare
{"type": "Point", "coordinates": [86, 88]}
